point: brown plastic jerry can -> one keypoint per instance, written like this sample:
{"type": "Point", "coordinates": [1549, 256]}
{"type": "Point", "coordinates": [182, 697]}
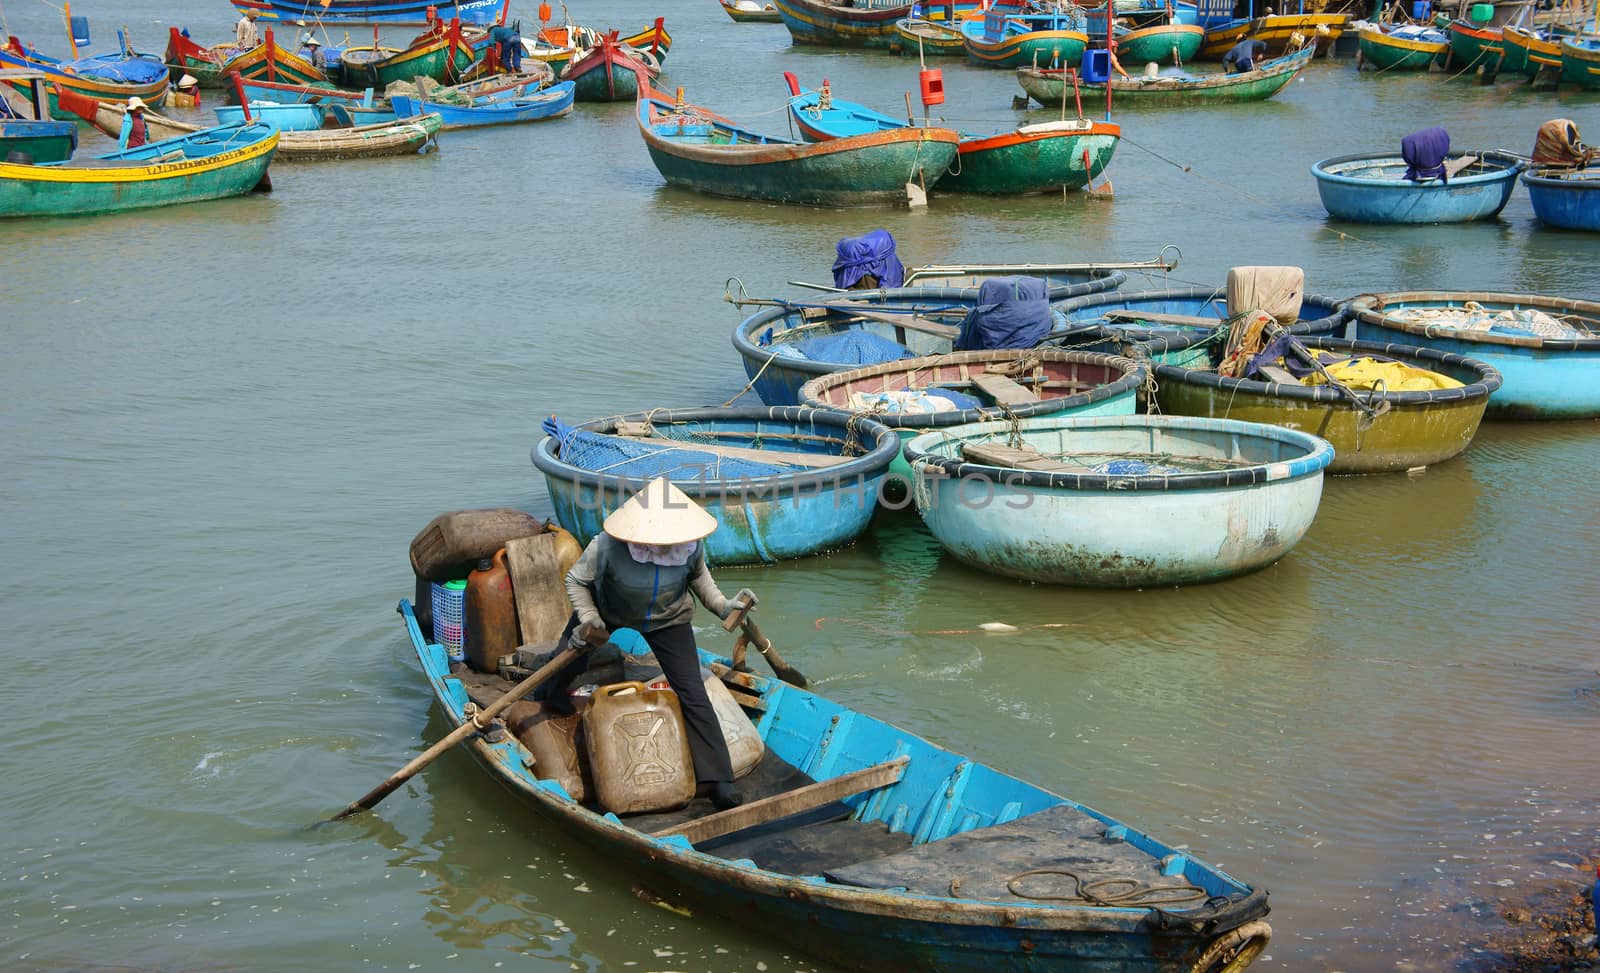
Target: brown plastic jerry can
{"type": "Point", "coordinates": [556, 743]}
{"type": "Point", "coordinates": [638, 751]}
{"type": "Point", "coordinates": [491, 614]}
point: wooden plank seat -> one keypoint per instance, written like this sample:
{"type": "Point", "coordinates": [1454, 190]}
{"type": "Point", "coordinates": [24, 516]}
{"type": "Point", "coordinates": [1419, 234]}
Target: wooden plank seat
{"type": "Point", "coordinates": [1002, 390]}
{"type": "Point", "coordinates": [978, 864]}
{"type": "Point", "coordinates": [1017, 458]}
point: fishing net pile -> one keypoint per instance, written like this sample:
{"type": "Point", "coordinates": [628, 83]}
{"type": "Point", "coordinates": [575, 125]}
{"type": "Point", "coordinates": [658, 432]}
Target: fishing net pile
{"type": "Point", "coordinates": [631, 458]}
{"type": "Point", "coordinates": [428, 90]}
{"type": "Point", "coordinates": [1473, 318]}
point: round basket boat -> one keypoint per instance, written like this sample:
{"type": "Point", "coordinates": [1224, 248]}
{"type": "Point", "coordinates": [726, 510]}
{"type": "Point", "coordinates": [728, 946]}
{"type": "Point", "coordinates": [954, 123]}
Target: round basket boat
{"type": "Point", "coordinates": [1022, 383]}
{"type": "Point", "coordinates": [921, 320]}
{"type": "Point", "coordinates": [1414, 429]}
{"type": "Point", "coordinates": [1220, 498]}
{"type": "Point", "coordinates": [782, 482]}
{"type": "Point", "coordinates": [1373, 189]}
{"type": "Point", "coordinates": [1544, 377]}
{"type": "Point", "coordinates": [1166, 336]}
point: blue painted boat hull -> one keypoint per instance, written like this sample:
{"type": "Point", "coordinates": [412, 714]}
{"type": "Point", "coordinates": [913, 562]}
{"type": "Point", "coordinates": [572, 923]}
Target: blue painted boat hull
{"type": "Point", "coordinates": [284, 118]}
{"type": "Point", "coordinates": [1543, 378]}
{"type": "Point", "coordinates": [1570, 201]}
{"type": "Point", "coordinates": [551, 102]}
{"type": "Point", "coordinates": [1122, 531]}
{"type": "Point", "coordinates": [1385, 197]}
{"type": "Point", "coordinates": [412, 13]}
{"type": "Point", "coordinates": [771, 518]}
{"type": "Point", "coordinates": [777, 379]}
{"type": "Point", "coordinates": [940, 795]}
{"type": "Point", "coordinates": [1172, 344]}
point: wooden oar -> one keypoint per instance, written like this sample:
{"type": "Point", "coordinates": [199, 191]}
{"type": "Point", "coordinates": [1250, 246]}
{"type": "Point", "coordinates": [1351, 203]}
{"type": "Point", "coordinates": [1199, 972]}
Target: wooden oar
{"type": "Point", "coordinates": [740, 618]}
{"type": "Point", "coordinates": [467, 729]}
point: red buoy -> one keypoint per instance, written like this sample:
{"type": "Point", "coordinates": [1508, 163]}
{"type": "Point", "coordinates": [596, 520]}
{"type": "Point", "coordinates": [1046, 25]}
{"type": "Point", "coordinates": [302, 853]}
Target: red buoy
{"type": "Point", "coordinates": [932, 87]}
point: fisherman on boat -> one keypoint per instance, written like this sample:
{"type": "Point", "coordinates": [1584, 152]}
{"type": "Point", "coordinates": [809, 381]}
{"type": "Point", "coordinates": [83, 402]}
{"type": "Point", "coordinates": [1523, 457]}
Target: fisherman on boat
{"type": "Point", "coordinates": [1244, 56]}
{"type": "Point", "coordinates": [640, 573]}
{"type": "Point", "coordinates": [134, 131]}
{"type": "Point", "coordinates": [244, 32]}
{"type": "Point", "coordinates": [509, 41]}
{"type": "Point", "coordinates": [186, 93]}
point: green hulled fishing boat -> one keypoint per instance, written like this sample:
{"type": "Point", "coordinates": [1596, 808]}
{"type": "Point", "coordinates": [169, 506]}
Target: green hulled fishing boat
{"type": "Point", "coordinates": [1473, 46]}
{"type": "Point", "coordinates": [1048, 88]}
{"type": "Point", "coordinates": [1411, 47]}
{"type": "Point", "coordinates": [229, 160]}
{"type": "Point", "coordinates": [441, 55]}
{"type": "Point", "coordinates": [1580, 60]}
{"type": "Point", "coordinates": [1160, 44]}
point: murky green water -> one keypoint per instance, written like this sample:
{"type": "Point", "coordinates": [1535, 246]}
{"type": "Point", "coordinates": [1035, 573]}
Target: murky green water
{"type": "Point", "coordinates": [223, 423]}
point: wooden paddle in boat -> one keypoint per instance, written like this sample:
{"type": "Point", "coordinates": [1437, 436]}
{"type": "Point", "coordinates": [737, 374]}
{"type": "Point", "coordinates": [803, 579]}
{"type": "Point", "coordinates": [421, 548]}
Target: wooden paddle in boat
{"type": "Point", "coordinates": [740, 618]}
{"type": "Point", "coordinates": [479, 722]}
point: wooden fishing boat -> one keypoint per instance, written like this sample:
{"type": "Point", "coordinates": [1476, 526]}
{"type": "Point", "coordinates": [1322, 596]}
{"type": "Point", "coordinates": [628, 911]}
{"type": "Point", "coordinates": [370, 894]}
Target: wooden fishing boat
{"type": "Point", "coordinates": [552, 102]}
{"type": "Point", "coordinates": [1373, 188]}
{"type": "Point", "coordinates": [654, 42]}
{"type": "Point", "coordinates": [986, 385]}
{"type": "Point", "coordinates": [1580, 60]}
{"type": "Point", "coordinates": [25, 124]}
{"type": "Point", "coordinates": [1551, 365]}
{"type": "Point", "coordinates": [210, 164]}
{"type": "Point", "coordinates": [869, 847]}
{"type": "Point", "coordinates": [1402, 47]}
{"type": "Point", "coordinates": [1474, 46]}
{"type": "Point", "coordinates": [1281, 31]}
{"type": "Point", "coordinates": [503, 85]}
{"type": "Point", "coordinates": [1118, 501]}
{"type": "Point", "coordinates": [782, 482]}
{"type": "Point", "coordinates": [269, 62]}
{"type": "Point", "coordinates": [1049, 87]}
{"type": "Point", "coordinates": [1533, 44]}
{"type": "Point", "coordinates": [841, 24]}
{"type": "Point", "coordinates": [399, 13]}
{"type": "Point", "coordinates": [1046, 157]}
{"type": "Point", "coordinates": [1379, 430]}
{"type": "Point", "coordinates": [16, 57]}
{"type": "Point", "coordinates": [1007, 38]}
{"type": "Point", "coordinates": [696, 149]}
{"type": "Point", "coordinates": [443, 55]}
{"type": "Point", "coordinates": [1159, 44]}
{"type": "Point", "coordinates": [284, 118]}
{"type": "Point", "coordinates": [609, 71]}
{"type": "Point", "coordinates": [1569, 199]}
{"type": "Point", "coordinates": [928, 38]}
{"type": "Point", "coordinates": [409, 137]}
{"type": "Point", "coordinates": [750, 12]}
{"type": "Point", "coordinates": [1176, 324]}
{"type": "Point", "coordinates": [204, 63]}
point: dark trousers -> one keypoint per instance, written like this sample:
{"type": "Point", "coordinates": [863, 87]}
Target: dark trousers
{"type": "Point", "coordinates": [674, 650]}
{"type": "Point", "coordinates": [511, 56]}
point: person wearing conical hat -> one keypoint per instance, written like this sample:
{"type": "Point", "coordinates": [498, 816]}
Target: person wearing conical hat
{"type": "Point", "coordinates": [134, 131]}
{"type": "Point", "coordinates": [645, 572]}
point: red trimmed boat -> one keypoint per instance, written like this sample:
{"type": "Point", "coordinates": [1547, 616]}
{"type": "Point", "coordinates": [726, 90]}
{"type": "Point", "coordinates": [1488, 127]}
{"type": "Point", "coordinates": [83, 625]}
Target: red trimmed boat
{"type": "Point", "coordinates": [609, 71]}
{"type": "Point", "coordinates": [653, 40]}
{"type": "Point", "coordinates": [440, 53]}
{"type": "Point", "coordinates": [696, 149]}
{"type": "Point", "coordinates": [269, 62]}
{"type": "Point", "coordinates": [205, 63]}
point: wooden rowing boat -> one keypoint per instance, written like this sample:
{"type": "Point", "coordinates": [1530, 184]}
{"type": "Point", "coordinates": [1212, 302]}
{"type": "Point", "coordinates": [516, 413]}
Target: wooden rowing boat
{"type": "Point", "coordinates": [25, 123]}
{"type": "Point", "coordinates": [546, 103]}
{"type": "Point", "coordinates": [17, 57]}
{"type": "Point", "coordinates": [409, 137]}
{"type": "Point", "coordinates": [1402, 47]}
{"type": "Point", "coordinates": [441, 54]}
{"type": "Point", "coordinates": [609, 71]}
{"type": "Point", "coordinates": [1045, 157]}
{"type": "Point", "coordinates": [1118, 501]}
{"type": "Point", "coordinates": [754, 14]}
{"type": "Point", "coordinates": [868, 846]}
{"type": "Point", "coordinates": [1006, 37]}
{"type": "Point", "coordinates": [654, 41]}
{"type": "Point", "coordinates": [268, 61]}
{"type": "Point", "coordinates": [841, 24]}
{"type": "Point", "coordinates": [400, 13]}
{"type": "Point", "coordinates": [213, 163]}
{"type": "Point", "coordinates": [782, 482]}
{"type": "Point", "coordinates": [204, 63]}
{"type": "Point", "coordinates": [1050, 87]}
{"type": "Point", "coordinates": [700, 150]}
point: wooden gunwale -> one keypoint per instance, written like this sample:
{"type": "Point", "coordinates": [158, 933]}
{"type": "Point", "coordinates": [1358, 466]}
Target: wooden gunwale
{"type": "Point", "coordinates": [1371, 308]}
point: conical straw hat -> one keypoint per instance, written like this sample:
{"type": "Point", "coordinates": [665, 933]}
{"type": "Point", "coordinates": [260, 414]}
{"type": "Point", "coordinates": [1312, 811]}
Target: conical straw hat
{"type": "Point", "coordinates": [660, 514]}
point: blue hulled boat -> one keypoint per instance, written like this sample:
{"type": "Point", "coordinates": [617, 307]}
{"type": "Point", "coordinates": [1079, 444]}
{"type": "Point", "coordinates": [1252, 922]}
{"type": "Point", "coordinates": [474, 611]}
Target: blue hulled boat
{"type": "Point", "coordinates": [1118, 501]}
{"type": "Point", "coordinates": [1567, 199]}
{"type": "Point", "coordinates": [888, 852]}
{"type": "Point", "coordinates": [1373, 188]}
{"type": "Point", "coordinates": [551, 102]}
{"type": "Point", "coordinates": [409, 13]}
{"type": "Point", "coordinates": [1172, 325]}
{"type": "Point", "coordinates": [782, 482]}
{"type": "Point", "coordinates": [856, 328]}
{"type": "Point", "coordinates": [284, 118]}
{"type": "Point", "coordinates": [1546, 348]}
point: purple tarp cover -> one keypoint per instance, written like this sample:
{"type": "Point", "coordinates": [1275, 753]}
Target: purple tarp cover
{"type": "Point", "coordinates": [871, 253]}
{"type": "Point", "coordinates": [1012, 312]}
{"type": "Point", "coordinates": [1425, 153]}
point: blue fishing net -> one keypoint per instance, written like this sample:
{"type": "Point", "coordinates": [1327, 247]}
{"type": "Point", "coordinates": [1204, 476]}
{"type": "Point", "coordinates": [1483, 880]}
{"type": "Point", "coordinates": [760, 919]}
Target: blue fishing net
{"type": "Point", "coordinates": [113, 67]}
{"type": "Point", "coordinates": [1133, 467]}
{"type": "Point", "coordinates": [629, 458]}
{"type": "Point", "coordinates": [962, 400]}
